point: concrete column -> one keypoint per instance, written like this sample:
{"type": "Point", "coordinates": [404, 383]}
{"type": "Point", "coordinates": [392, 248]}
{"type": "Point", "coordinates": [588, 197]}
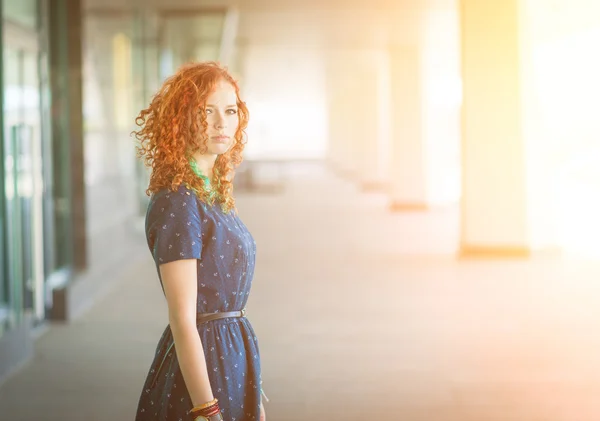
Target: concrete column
{"type": "Point", "coordinates": [340, 103]}
{"type": "Point", "coordinates": [229, 35]}
{"type": "Point", "coordinates": [65, 59]}
{"type": "Point", "coordinates": [501, 204]}
{"type": "Point", "coordinates": [358, 104]}
{"type": "Point", "coordinates": [425, 89]}
{"type": "Point", "coordinates": [408, 156]}
{"type": "Point", "coordinates": [373, 132]}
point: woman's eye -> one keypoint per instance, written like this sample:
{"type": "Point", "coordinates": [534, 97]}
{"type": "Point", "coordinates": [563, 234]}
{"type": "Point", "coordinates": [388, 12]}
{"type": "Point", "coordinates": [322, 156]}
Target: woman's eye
{"type": "Point", "coordinates": [230, 111]}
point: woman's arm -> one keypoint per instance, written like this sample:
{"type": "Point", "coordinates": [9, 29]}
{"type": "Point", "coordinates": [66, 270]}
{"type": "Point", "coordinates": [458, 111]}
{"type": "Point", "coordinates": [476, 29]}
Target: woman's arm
{"type": "Point", "coordinates": [181, 289]}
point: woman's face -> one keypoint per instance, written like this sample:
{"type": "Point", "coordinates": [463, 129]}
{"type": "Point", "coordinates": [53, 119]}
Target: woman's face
{"type": "Point", "coordinates": [222, 118]}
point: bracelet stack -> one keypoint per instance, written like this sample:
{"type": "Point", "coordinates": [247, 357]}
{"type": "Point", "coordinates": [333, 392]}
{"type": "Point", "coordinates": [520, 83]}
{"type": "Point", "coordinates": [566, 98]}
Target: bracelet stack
{"type": "Point", "coordinates": [209, 411]}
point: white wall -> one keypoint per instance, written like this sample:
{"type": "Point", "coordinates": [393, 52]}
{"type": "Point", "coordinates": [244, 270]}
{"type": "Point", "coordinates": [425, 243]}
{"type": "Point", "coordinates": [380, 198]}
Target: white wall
{"type": "Point", "coordinates": [442, 92]}
{"type": "Point", "coordinates": [284, 89]}
{"type": "Point", "coordinates": [563, 127]}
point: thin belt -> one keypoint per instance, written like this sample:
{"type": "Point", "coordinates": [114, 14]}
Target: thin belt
{"type": "Point", "coordinates": [200, 318]}
{"type": "Point", "coordinates": [206, 317]}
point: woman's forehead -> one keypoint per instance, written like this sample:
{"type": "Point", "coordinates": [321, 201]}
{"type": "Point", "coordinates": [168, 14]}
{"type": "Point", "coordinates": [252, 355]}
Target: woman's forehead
{"type": "Point", "coordinates": [222, 94]}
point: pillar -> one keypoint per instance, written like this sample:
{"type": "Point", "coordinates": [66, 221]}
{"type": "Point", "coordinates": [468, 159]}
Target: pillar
{"type": "Point", "coordinates": [339, 83]}
{"type": "Point", "coordinates": [501, 208]}
{"type": "Point", "coordinates": [408, 172]}
{"type": "Point", "coordinates": [67, 132]}
{"type": "Point", "coordinates": [358, 104]}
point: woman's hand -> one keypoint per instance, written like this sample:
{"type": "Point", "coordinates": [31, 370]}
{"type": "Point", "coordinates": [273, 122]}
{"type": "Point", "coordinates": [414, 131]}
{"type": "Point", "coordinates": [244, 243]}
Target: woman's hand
{"type": "Point", "coordinates": [263, 416]}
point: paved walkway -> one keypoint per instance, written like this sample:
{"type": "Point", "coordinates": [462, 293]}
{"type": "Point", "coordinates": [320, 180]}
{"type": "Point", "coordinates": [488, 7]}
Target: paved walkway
{"type": "Point", "coordinates": [361, 315]}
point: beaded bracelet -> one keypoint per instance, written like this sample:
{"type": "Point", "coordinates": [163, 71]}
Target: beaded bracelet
{"type": "Point", "coordinates": [206, 410]}
{"type": "Point", "coordinates": [204, 405]}
{"type": "Point", "coordinates": [217, 416]}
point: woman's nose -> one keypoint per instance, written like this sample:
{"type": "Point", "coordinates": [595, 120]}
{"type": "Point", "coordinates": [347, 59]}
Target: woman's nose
{"type": "Point", "coordinates": [220, 122]}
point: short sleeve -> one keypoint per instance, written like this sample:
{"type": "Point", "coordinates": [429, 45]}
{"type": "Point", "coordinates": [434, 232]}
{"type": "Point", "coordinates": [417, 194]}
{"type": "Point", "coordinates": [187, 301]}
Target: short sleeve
{"type": "Point", "coordinates": [174, 226]}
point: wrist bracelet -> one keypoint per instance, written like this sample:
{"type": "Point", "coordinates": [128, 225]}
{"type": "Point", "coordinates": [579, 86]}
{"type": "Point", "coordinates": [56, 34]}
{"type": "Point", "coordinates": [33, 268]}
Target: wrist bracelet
{"type": "Point", "coordinates": [217, 417]}
{"type": "Point", "coordinates": [205, 411]}
{"type": "Point", "coordinates": [204, 405]}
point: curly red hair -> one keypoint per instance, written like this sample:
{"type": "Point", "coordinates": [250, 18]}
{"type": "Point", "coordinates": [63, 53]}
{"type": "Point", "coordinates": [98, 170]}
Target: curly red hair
{"type": "Point", "coordinates": [169, 133]}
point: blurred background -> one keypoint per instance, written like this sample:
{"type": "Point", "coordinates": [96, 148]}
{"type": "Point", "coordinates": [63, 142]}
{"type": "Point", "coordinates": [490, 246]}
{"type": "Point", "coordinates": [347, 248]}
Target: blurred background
{"type": "Point", "coordinates": [422, 179]}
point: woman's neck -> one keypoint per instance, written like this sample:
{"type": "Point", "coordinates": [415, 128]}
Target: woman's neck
{"type": "Point", "coordinates": [205, 163]}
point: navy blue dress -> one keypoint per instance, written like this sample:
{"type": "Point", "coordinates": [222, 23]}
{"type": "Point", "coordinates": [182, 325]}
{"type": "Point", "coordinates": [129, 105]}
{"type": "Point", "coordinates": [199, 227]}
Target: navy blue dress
{"type": "Point", "coordinates": [181, 226]}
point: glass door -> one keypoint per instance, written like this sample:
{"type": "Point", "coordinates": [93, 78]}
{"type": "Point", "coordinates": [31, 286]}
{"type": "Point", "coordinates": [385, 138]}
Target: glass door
{"type": "Point", "coordinates": [24, 277]}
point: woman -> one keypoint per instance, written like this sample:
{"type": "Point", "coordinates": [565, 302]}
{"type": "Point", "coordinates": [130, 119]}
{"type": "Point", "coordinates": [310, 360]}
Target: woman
{"type": "Point", "coordinates": [207, 362]}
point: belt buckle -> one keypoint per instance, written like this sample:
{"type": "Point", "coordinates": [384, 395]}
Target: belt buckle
{"type": "Point", "coordinates": [244, 312]}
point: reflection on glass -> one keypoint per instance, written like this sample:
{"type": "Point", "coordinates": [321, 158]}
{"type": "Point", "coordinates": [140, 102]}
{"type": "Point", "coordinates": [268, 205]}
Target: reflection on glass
{"type": "Point", "coordinates": [190, 38]}
{"type": "Point", "coordinates": [22, 179]}
{"type": "Point", "coordinates": [23, 12]}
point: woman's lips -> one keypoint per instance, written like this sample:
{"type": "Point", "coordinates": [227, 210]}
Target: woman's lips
{"type": "Point", "coordinates": [220, 139]}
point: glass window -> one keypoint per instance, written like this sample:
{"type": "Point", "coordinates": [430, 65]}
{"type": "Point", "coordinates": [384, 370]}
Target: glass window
{"type": "Point", "coordinates": [22, 281]}
{"type": "Point", "coordinates": [22, 12]}
{"type": "Point", "coordinates": [196, 37]}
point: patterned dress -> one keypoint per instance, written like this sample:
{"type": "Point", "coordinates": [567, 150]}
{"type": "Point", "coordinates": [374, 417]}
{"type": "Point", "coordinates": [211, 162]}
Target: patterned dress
{"type": "Point", "coordinates": [181, 226]}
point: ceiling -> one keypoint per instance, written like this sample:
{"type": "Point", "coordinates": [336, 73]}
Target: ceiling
{"type": "Point", "coordinates": [308, 23]}
{"type": "Point", "coordinates": [266, 5]}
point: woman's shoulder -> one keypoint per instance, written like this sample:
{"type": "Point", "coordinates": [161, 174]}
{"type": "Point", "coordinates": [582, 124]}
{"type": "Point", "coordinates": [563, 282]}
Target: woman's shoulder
{"type": "Point", "coordinates": [166, 194]}
{"type": "Point", "coordinates": [183, 199]}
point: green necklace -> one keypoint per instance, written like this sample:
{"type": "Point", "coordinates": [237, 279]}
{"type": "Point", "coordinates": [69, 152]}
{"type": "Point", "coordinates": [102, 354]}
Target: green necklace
{"type": "Point", "coordinates": [198, 172]}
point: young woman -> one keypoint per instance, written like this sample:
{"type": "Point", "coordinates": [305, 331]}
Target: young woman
{"type": "Point", "coordinates": [207, 362]}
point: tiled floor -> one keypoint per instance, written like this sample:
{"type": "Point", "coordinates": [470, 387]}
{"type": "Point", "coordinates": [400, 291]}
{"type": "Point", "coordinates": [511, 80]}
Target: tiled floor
{"type": "Point", "coordinates": [361, 315]}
